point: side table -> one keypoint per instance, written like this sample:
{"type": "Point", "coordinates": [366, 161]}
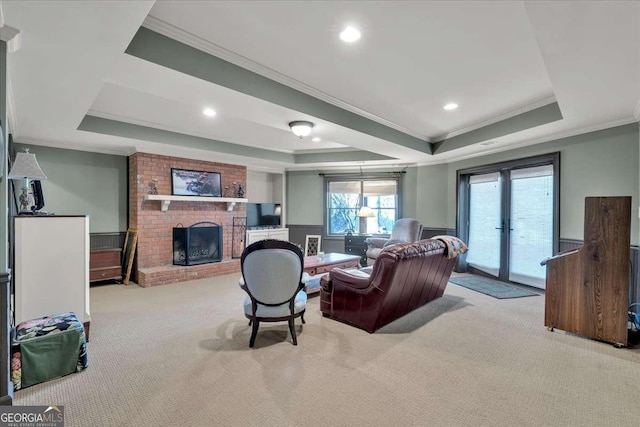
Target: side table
{"type": "Point", "coordinates": [356, 245]}
{"type": "Point", "coordinates": [105, 264]}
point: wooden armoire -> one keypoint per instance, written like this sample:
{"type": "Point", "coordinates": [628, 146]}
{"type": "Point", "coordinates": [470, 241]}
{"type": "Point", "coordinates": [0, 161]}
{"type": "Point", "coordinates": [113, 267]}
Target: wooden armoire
{"type": "Point", "coordinates": [587, 289]}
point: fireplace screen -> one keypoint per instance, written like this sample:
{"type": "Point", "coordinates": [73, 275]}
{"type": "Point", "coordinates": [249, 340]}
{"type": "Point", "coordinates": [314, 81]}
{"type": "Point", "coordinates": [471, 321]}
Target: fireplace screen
{"type": "Point", "coordinates": [200, 243]}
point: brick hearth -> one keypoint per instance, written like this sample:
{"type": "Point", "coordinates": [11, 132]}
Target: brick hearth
{"type": "Point", "coordinates": [154, 252]}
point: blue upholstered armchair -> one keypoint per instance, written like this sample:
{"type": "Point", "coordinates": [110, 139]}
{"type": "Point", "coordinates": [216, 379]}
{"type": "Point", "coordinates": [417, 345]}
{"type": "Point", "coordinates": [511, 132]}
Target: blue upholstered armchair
{"type": "Point", "coordinates": [405, 230]}
{"type": "Point", "coordinates": [273, 279]}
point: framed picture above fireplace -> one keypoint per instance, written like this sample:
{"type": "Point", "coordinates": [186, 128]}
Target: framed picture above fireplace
{"type": "Point", "coordinates": [195, 183]}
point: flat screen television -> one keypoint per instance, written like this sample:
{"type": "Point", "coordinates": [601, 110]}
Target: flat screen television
{"type": "Point", "coordinates": [263, 214]}
{"type": "Point", "coordinates": [195, 183]}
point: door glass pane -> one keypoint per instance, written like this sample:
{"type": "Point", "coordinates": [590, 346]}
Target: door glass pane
{"type": "Point", "coordinates": [484, 218]}
{"type": "Point", "coordinates": [531, 238]}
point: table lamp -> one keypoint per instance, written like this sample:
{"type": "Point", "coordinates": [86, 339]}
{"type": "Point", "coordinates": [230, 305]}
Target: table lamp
{"type": "Point", "coordinates": [364, 213]}
{"type": "Point", "coordinates": [25, 167]}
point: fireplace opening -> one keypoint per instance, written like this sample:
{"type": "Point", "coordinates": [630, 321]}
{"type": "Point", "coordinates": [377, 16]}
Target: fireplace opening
{"type": "Point", "coordinates": [201, 243]}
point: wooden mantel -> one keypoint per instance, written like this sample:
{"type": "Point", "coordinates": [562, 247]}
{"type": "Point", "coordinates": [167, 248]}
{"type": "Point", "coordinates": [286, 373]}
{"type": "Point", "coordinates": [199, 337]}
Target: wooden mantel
{"type": "Point", "coordinates": [166, 200]}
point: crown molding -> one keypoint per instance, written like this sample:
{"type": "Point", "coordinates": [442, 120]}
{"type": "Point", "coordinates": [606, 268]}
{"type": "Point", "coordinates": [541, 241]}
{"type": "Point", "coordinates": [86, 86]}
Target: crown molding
{"type": "Point", "coordinates": [124, 151]}
{"type": "Point", "coordinates": [265, 169]}
{"type": "Point", "coordinates": [352, 166]}
{"type": "Point", "coordinates": [535, 141]}
{"type": "Point", "coordinates": [175, 33]}
{"type": "Point", "coordinates": [157, 125]}
{"type": "Point", "coordinates": [193, 154]}
{"type": "Point", "coordinates": [573, 132]}
{"type": "Point", "coordinates": [161, 126]}
{"type": "Point", "coordinates": [327, 150]}
{"type": "Point", "coordinates": [506, 115]}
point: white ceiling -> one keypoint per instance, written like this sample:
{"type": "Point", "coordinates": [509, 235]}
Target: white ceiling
{"type": "Point", "coordinates": [495, 59]}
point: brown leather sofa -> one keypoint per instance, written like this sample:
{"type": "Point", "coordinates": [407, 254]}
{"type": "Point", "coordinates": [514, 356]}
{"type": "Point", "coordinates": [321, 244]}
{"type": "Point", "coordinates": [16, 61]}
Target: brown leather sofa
{"type": "Point", "coordinates": [404, 277]}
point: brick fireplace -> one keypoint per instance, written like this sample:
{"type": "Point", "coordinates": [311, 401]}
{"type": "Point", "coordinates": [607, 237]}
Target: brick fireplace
{"type": "Point", "coordinates": [154, 253]}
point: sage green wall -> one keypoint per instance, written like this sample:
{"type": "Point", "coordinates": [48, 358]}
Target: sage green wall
{"type": "Point", "coordinates": [80, 182]}
{"type": "Point", "coordinates": [599, 163]}
{"type": "Point", "coordinates": [432, 189]}
{"type": "Point", "coordinates": [602, 163]}
{"type": "Point", "coordinates": [304, 198]}
{"type": "Point", "coordinates": [305, 194]}
{"type": "Point", "coordinates": [409, 193]}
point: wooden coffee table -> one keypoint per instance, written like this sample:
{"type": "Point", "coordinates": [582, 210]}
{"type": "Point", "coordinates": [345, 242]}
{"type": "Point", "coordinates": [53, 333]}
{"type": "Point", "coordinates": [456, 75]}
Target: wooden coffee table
{"type": "Point", "coordinates": [315, 265]}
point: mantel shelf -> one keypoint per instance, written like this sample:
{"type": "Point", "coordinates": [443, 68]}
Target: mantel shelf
{"type": "Point", "coordinates": [166, 200]}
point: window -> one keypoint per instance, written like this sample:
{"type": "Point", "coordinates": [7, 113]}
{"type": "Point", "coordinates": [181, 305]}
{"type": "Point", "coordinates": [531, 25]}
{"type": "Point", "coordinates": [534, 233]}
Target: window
{"type": "Point", "coordinates": [345, 197]}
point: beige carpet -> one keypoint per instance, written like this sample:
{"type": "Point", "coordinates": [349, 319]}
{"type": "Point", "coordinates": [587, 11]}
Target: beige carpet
{"type": "Point", "coordinates": [178, 355]}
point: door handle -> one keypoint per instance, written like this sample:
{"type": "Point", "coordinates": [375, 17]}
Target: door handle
{"type": "Point", "coordinates": [501, 225]}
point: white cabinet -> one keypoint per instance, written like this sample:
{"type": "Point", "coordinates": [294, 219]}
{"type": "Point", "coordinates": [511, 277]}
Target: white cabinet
{"type": "Point", "coordinates": [272, 233]}
{"type": "Point", "coordinates": [51, 266]}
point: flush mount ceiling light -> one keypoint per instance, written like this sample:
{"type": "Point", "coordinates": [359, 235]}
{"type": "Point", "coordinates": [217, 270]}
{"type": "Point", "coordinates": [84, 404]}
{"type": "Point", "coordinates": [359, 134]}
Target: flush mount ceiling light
{"type": "Point", "coordinates": [350, 35]}
{"type": "Point", "coordinates": [301, 128]}
{"type": "Point", "coordinates": [316, 139]}
{"type": "Point", "coordinates": [209, 112]}
{"type": "Point", "coordinates": [450, 106]}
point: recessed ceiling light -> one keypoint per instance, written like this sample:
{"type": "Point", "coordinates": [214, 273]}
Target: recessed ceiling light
{"type": "Point", "coordinates": [209, 112]}
{"type": "Point", "coordinates": [316, 139]}
{"type": "Point", "coordinates": [450, 106]}
{"type": "Point", "coordinates": [350, 35]}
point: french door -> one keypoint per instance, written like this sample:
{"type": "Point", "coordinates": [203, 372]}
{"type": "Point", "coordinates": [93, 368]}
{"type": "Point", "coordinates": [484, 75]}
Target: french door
{"type": "Point", "coordinates": [485, 222]}
{"type": "Point", "coordinates": [509, 219]}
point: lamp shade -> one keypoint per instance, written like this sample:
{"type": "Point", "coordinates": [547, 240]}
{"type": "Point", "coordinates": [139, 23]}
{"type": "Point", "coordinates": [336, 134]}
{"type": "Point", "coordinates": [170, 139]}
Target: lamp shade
{"type": "Point", "coordinates": [366, 212]}
{"type": "Point", "coordinates": [26, 166]}
{"type": "Point", "coordinates": [301, 128]}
